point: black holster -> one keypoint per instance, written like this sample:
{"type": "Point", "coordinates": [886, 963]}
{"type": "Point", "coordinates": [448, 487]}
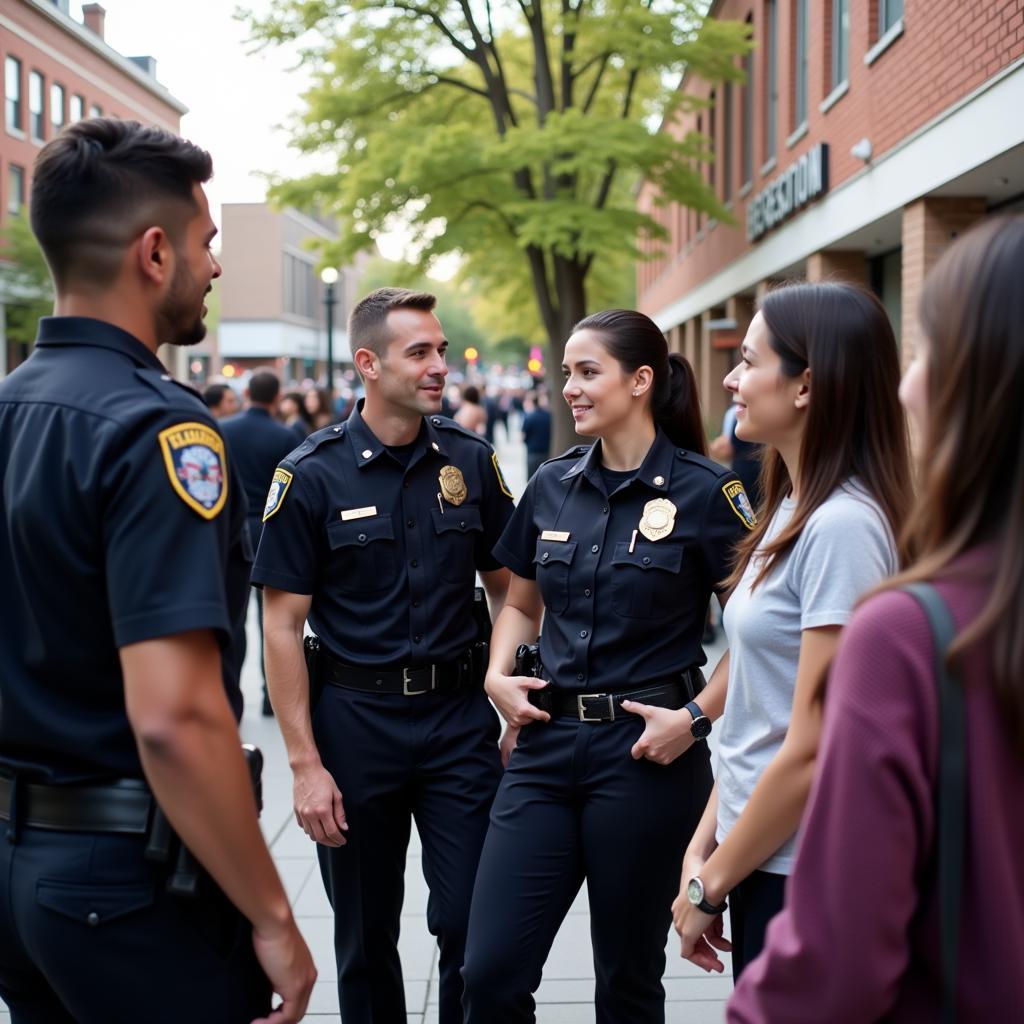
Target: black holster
{"type": "Point", "coordinates": [164, 847]}
{"type": "Point", "coordinates": [314, 669]}
{"type": "Point", "coordinates": [482, 644]}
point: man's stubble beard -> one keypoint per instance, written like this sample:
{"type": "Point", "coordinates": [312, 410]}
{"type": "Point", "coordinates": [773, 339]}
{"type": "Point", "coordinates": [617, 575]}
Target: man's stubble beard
{"type": "Point", "coordinates": [173, 326]}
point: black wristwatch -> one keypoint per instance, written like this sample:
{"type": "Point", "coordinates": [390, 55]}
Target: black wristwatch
{"type": "Point", "coordinates": [700, 728]}
{"type": "Point", "coordinates": [695, 894]}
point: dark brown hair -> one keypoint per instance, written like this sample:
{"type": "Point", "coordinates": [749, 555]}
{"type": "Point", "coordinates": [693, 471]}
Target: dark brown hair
{"type": "Point", "coordinates": [101, 183]}
{"type": "Point", "coordinates": [634, 340]}
{"type": "Point", "coordinates": [854, 423]}
{"type": "Point", "coordinates": [368, 321]}
{"type": "Point", "coordinates": [971, 456]}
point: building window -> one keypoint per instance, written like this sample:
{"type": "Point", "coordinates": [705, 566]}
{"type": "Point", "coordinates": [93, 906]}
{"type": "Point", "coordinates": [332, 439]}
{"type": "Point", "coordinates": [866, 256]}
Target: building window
{"type": "Point", "coordinates": [15, 188]}
{"type": "Point", "coordinates": [748, 117]}
{"type": "Point", "coordinates": [713, 137]}
{"type": "Point", "coordinates": [95, 110]}
{"type": "Point", "coordinates": [889, 12]}
{"type": "Point", "coordinates": [840, 42]}
{"type": "Point", "coordinates": [12, 92]}
{"type": "Point", "coordinates": [57, 107]}
{"type": "Point", "coordinates": [299, 287]}
{"type": "Point", "coordinates": [727, 142]}
{"type": "Point", "coordinates": [77, 108]}
{"type": "Point", "coordinates": [771, 95]}
{"type": "Point", "coordinates": [36, 123]}
{"type": "Point", "coordinates": [801, 12]}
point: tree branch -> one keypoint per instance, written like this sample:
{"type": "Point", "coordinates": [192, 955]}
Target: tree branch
{"type": "Point", "coordinates": [596, 84]}
{"type": "Point", "coordinates": [444, 79]}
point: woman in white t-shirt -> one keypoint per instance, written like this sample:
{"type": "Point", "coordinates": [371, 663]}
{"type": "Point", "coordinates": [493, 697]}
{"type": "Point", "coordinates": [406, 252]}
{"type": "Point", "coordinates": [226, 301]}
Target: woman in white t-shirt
{"type": "Point", "coordinates": [817, 386]}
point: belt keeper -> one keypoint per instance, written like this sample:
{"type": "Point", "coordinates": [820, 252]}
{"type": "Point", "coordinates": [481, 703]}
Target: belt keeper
{"type": "Point", "coordinates": [14, 813]}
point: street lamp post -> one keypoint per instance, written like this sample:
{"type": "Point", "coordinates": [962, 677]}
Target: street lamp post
{"type": "Point", "coordinates": [329, 276]}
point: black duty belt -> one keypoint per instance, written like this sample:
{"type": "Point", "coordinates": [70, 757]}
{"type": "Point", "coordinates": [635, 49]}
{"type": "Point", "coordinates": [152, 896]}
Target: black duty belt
{"type": "Point", "coordinates": [673, 693]}
{"type": "Point", "coordinates": [446, 676]}
{"type": "Point", "coordinates": [123, 806]}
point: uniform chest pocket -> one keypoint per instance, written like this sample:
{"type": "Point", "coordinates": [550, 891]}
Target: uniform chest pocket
{"type": "Point", "coordinates": [365, 553]}
{"type": "Point", "coordinates": [553, 561]}
{"type": "Point", "coordinates": [646, 581]}
{"type": "Point", "coordinates": [456, 533]}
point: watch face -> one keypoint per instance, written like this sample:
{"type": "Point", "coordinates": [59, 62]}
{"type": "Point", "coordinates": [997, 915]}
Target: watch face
{"type": "Point", "coordinates": [701, 727]}
{"type": "Point", "coordinates": [695, 891]}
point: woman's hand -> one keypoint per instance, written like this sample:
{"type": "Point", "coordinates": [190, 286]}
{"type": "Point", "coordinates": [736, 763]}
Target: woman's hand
{"type": "Point", "coordinates": [509, 694]}
{"type": "Point", "coordinates": [700, 934]}
{"type": "Point", "coordinates": [666, 734]}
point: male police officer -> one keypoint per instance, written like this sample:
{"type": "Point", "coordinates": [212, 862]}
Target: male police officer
{"type": "Point", "coordinates": [372, 530]}
{"type": "Point", "coordinates": [257, 443]}
{"type": "Point", "coordinates": [123, 562]}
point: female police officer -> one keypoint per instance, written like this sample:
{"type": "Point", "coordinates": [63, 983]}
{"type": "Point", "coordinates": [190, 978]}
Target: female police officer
{"type": "Point", "coordinates": [620, 546]}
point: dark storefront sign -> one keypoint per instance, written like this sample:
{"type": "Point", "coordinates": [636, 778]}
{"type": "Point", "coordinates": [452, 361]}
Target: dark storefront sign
{"type": "Point", "coordinates": [794, 188]}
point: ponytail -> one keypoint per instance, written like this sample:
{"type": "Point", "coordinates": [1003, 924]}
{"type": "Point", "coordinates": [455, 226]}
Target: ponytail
{"type": "Point", "coordinates": [678, 411]}
{"type": "Point", "coordinates": [634, 340]}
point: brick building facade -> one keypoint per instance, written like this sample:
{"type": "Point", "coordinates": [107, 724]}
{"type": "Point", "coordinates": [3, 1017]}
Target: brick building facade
{"type": "Point", "coordinates": [57, 70]}
{"type": "Point", "coordinates": [868, 135]}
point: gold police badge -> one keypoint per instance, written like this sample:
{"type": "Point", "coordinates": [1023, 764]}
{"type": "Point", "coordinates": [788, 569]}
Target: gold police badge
{"type": "Point", "coordinates": [453, 485]}
{"type": "Point", "coordinates": [659, 519]}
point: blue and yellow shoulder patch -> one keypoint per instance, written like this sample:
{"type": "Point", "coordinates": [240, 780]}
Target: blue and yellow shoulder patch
{"type": "Point", "coordinates": [278, 489]}
{"type": "Point", "coordinates": [740, 503]}
{"type": "Point", "coordinates": [196, 464]}
{"type": "Point", "coordinates": [500, 476]}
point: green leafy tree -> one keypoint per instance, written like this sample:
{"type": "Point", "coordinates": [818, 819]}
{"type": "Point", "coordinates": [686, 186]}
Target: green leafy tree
{"type": "Point", "coordinates": [24, 281]}
{"type": "Point", "coordinates": [513, 134]}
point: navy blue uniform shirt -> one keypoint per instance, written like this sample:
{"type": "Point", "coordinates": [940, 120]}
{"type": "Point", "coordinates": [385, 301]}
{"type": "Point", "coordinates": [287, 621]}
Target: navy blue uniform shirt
{"type": "Point", "coordinates": [118, 524]}
{"type": "Point", "coordinates": [256, 444]}
{"type": "Point", "coordinates": [387, 550]}
{"type": "Point", "coordinates": [621, 612]}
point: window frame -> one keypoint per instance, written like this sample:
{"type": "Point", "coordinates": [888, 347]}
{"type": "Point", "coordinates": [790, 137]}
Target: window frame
{"type": "Point", "coordinates": [37, 118]}
{"type": "Point", "coordinates": [771, 92]}
{"type": "Point", "coordinates": [15, 171]}
{"type": "Point", "coordinates": [55, 88]}
{"type": "Point", "coordinates": [801, 85]}
{"type": "Point", "coordinates": [17, 102]}
{"type": "Point", "coordinates": [840, 57]}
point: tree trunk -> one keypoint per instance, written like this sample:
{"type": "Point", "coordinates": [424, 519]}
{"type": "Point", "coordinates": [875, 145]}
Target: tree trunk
{"type": "Point", "coordinates": [570, 284]}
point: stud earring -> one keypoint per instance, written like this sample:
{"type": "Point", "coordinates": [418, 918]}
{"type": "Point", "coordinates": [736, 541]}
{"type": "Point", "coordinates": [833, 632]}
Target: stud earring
{"type": "Point", "coordinates": [636, 394]}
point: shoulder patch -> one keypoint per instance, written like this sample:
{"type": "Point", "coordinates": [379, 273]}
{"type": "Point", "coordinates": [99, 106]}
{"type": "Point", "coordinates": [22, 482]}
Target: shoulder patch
{"type": "Point", "coordinates": [278, 489]}
{"type": "Point", "coordinates": [740, 503]}
{"type": "Point", "coordinates": [501, 478]}
{"type": "Point", "coordinates": [196, 464]}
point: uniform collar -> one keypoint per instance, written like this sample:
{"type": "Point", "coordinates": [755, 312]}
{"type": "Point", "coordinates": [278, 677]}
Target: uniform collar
{"type": "Point", "coordinates": [367, 447]}
{"type": "Point", "coordinates": [71, 331]}
{"type": "Point", "coordinates": [655, 471]}
{"type": "Point", "coordinates": [257, 410]}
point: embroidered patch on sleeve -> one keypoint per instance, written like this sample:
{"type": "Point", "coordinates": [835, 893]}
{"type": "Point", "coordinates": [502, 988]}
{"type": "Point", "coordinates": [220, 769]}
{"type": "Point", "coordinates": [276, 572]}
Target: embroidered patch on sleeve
{"type": "Point", "coordinates": [501, 479]}
{"type": "Point", "coordinates": [278, 489]}
{"type": "Point", "coordinates": [740, 503]}
{"type": "Point", "coordinates": [196, 464]}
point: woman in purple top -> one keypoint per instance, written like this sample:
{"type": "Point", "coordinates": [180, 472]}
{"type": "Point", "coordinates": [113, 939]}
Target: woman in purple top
{"type": "Point", "coordinates": [859, 937]}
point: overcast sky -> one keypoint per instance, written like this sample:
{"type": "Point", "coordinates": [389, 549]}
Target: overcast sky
{"type": "Point", "coordinates": [235, 100]}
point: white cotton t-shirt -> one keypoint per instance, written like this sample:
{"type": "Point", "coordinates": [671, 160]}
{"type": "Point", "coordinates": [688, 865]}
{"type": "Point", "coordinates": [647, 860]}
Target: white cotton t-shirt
{"type": "Point", "coordinates": [845, 548]}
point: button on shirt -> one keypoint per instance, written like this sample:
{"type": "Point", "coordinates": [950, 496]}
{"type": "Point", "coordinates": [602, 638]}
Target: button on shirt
{"type": "Point", "coordinates": [387, 548]}
{"type": "Point", "coordinates": [621, 612]}
{"type": "Point", "coordinates": [107, 464]}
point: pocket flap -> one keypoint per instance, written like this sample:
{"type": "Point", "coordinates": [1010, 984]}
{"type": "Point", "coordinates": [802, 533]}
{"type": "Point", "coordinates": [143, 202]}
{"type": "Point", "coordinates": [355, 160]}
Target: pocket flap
{"type": "Point", "coordinates": [360, 531]}
{"type": "Point", "coordinates": [555, 551]}
{"type": "Point", "coordinates": [668, 557]}
{"type": "Point", "coordinates": [93, 903]}
{"type": "Point", "coordinates": [455, 518]}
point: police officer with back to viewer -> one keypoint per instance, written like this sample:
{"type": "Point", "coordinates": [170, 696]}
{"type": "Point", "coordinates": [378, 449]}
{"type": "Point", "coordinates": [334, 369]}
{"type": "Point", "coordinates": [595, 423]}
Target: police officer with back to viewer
{"type": "Point", "coordinates": [257, 443]}
{"type": "Point", "coordinates": [124, 561]}
{"type": "Point", "coordinates": [372, 530]}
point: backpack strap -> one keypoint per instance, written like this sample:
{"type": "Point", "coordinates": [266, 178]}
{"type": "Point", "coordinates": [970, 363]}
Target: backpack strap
{"type": "Point", "coordinates": [951, 796]}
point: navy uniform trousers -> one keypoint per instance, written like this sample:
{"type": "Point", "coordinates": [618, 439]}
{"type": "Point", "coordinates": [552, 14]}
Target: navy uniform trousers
{"type": "Point", "coordinates": [432, 758]}
{"type": "Point", "coordinates": [151, 957]}
{"type": "Point", "coordinates": [574, 805]}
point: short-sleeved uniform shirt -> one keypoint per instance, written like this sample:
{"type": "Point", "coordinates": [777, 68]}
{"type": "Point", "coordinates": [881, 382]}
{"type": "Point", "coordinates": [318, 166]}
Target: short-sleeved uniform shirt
{"type": "Point", "coordinates": [621, 610]}
{"type": "Point", "coordinates": [845, 548]}
{"type": "Point", "coordinates": [386, 541]}
{"type": "Point", "coordinates": [118, 524]}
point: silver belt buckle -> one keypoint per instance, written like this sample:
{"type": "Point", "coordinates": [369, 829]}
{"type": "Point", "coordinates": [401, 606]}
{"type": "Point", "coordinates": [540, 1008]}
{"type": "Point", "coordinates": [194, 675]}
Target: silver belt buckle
{"type": "Point", "coordinates": [582, 711]}
{"type": "Point", "coordinates": [407, 679]}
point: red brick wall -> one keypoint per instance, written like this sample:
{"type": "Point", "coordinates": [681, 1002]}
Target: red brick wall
{"type": "Point", "coordinates": [948, 48]}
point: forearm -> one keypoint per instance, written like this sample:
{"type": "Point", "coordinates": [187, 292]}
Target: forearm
{"type": "Point", "coordinates": [512, 628]}
{"type": "Point", "coordinates": [702, 843]}
{"type": "Point", "coordinates": [288, 683]}
{"type": "Point", "coordinates": [771, 816]}
{"type": "Point", "coordinates": [200, 780]}
{"type": "Point", "coordinates": [712, 699]}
